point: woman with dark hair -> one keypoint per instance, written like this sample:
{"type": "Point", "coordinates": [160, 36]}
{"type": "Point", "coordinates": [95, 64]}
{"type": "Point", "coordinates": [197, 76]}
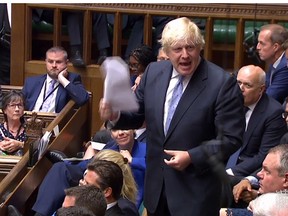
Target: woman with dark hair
{"type": "Point", "coordinates": [139, 59]}
{"type": "Point", "coordinates": [12, 130]}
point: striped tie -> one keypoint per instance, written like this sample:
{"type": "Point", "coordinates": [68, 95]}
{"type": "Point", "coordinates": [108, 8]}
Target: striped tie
{"type": "Point", "coordinates": [48, 97]}
{"type": "Point", "coordinates": [177, 93]}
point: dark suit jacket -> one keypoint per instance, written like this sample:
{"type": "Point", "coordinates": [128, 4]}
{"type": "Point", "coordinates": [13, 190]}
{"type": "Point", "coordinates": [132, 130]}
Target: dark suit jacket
{"type": "Point", "coordinates": [284, 139]}
{"type": "Point", "coordinates": [265, 129]}
{"type": "Point", "coordinates": [142, 137]}
{"type": "Point", "coordinates": [279, 86]}
{"type": "Point", "coordinates": [212, 103]}
{"type": "Point", "coordinates": [114, 211]}
{"type": "Point", "coordinates": [128, 208]}
{"type": "Point", "coordinates": [74, 90]}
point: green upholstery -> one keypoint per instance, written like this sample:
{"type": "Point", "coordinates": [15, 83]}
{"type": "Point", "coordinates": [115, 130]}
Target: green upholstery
{"type": "Point", "coordinates": [44, 27]}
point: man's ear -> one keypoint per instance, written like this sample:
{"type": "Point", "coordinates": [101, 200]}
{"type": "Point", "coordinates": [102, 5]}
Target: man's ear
{"type": "Point", "coordinates": [276, 46]}
{"type": "Point", "coordinates": [108, 192]}
{"type": "Point", "coordinates": [285, 184]}
{"type": "Point", "coordinates": [262, 88]}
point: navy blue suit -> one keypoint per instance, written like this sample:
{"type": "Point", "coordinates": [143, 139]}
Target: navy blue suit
{"type": "Point", "coordinates": [265, 129]}
{"type": "Point", "coordinates": [63, 175]}
{"type": "Point", "coordinates": [74, 90]}
{"type": "Point", "coordinates": [211, 103]}
{"type": "Point", "coordinates": [279, 85]}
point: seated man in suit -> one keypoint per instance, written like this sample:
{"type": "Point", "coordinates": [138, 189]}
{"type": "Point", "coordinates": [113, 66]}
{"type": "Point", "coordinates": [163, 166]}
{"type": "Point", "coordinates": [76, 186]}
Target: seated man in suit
{"type": "Point", "coordinates": [52, 91]}
{"type": "Point", "coordinates": [271, 49]}
{"type": "Point", "coordinates": [88, 196]}
{"type": "Point", "coordinates": [264, 124]}
{"type": "Point", "coordinates": [103, 174]}
{"type": "Point", "coordinates": [107, 176]}
{"type": "Point", "coordinates": [272, 178]}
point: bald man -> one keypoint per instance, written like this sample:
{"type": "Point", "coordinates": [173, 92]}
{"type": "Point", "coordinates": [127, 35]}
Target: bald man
{"type": "Point", "coordinates": [264, 124]}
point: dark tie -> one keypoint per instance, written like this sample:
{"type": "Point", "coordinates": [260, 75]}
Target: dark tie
{"type": "Point", "coordinates": [177, 93]}
{"type": "Point", "coordinates": [48, 96]}
{"type": "Point", "coordinates": [246, 109]}
{"type": "Point", "coordinates": [234, 157]}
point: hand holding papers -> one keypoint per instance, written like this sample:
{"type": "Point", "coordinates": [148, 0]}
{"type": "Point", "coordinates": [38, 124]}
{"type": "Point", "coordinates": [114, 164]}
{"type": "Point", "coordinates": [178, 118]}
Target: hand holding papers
{"type": "Point", "coordinates": [117, 88]}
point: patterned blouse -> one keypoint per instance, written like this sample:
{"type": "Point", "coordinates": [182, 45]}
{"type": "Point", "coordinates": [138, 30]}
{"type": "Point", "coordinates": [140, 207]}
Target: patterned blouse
{"type": "Point", "coordinates": [21, 137]}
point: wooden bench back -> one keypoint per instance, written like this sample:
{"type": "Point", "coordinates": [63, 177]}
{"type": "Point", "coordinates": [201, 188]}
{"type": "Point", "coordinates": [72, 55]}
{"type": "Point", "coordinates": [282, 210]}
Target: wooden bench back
{"type": "Point", "coordinates": [23, 181]}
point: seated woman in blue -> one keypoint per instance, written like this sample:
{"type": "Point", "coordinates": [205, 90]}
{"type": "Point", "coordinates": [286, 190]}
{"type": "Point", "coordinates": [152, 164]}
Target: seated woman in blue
{"type": "Point", "coordinates": [135, 152]}
{"type": "Point", "coordinates": [124, 142]}
{"type": "Point", "coordinates": [12, 130]}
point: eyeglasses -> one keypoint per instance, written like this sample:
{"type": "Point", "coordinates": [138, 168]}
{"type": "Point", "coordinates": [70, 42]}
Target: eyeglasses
{"type": "Point", "coordinates": [284, 115]}
{"type": "Point", "coordinates": [134, 66]}
{"type": "Point", "coordinates": [13, 106]}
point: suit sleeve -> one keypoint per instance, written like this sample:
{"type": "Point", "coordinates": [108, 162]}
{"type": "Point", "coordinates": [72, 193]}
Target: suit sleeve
{"type": "Point", "coordinates": [279, 87]}
{"type": "Point", "coordinates": [77, 92]}
{"type": "Point", "coordinates": [229, 122]}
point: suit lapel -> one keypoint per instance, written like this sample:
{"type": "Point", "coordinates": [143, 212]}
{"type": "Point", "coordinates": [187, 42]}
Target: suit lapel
{"type": "Point", "coordinates": [254, 119]}
{"type": "Point", "coordinates": [194, 88]}
{"type": "Point", "coordinates": [271, 73]}
{"type": "Point", "coordinates": [162, 86]}
{"type": "Point", "coordinates": [36, 90]}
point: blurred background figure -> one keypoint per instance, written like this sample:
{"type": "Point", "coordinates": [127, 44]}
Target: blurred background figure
{"type": "Point", "coordinates": [162, 55]}
{"type": "Point", "coordinates": [139, 59]}
{"type": "Point", "coordinates": [74, 23]}
{"type": "Point", "coordinates": [5, 35]}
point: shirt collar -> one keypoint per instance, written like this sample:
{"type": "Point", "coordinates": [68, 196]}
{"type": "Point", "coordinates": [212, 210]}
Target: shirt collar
{"type": "Point", "coordinates": [110, 205]}
{"type": "Point", "coordinates": [277, 62]}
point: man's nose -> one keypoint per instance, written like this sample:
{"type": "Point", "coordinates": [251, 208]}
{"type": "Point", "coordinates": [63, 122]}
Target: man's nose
{"type": "Point", "coordinates": [184, 52]}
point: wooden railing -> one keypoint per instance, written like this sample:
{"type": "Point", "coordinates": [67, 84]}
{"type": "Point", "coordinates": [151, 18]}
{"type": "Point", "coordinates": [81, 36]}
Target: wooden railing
{"type": "Point", "coordinates": [19, 186]}
{"type": "Point", "coordinates": [230, 56]}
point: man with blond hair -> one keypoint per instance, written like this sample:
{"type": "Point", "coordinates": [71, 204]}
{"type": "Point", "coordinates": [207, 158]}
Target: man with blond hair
{"type": "Point", "coordinates": [208, 106]}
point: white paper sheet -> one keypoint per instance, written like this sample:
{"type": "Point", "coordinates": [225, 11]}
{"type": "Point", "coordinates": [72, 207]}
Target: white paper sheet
{"type": "Point", "coordinates": [44, 143]}
{"type": "Point", "coordinates": [97, 145]}
{"type": "Point", "coordinates": [117, 87]}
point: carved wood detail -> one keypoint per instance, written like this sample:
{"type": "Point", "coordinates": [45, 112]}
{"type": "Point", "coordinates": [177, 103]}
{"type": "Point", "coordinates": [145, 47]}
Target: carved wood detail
{"type": "Point", "coordinates": [263, 11]}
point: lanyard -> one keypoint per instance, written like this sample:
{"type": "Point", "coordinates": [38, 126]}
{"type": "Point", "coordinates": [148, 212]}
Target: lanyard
{"type": "Point", "coordinates": [44, 95]}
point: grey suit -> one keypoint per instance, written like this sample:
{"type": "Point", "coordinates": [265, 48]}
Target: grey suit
{"type": "Point", "coordinates": [211, 103]}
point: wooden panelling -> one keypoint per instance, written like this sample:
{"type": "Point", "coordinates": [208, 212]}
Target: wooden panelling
{"type": "Point", "coordinates": [229, 56]}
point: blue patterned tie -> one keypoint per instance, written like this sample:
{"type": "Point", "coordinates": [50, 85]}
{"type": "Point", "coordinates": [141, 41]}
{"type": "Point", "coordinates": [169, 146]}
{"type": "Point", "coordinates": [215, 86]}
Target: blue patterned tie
{"type": "Point", "coordinates": [48, 96]}
{"type": "Point", "coordinates": [177, 93]}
